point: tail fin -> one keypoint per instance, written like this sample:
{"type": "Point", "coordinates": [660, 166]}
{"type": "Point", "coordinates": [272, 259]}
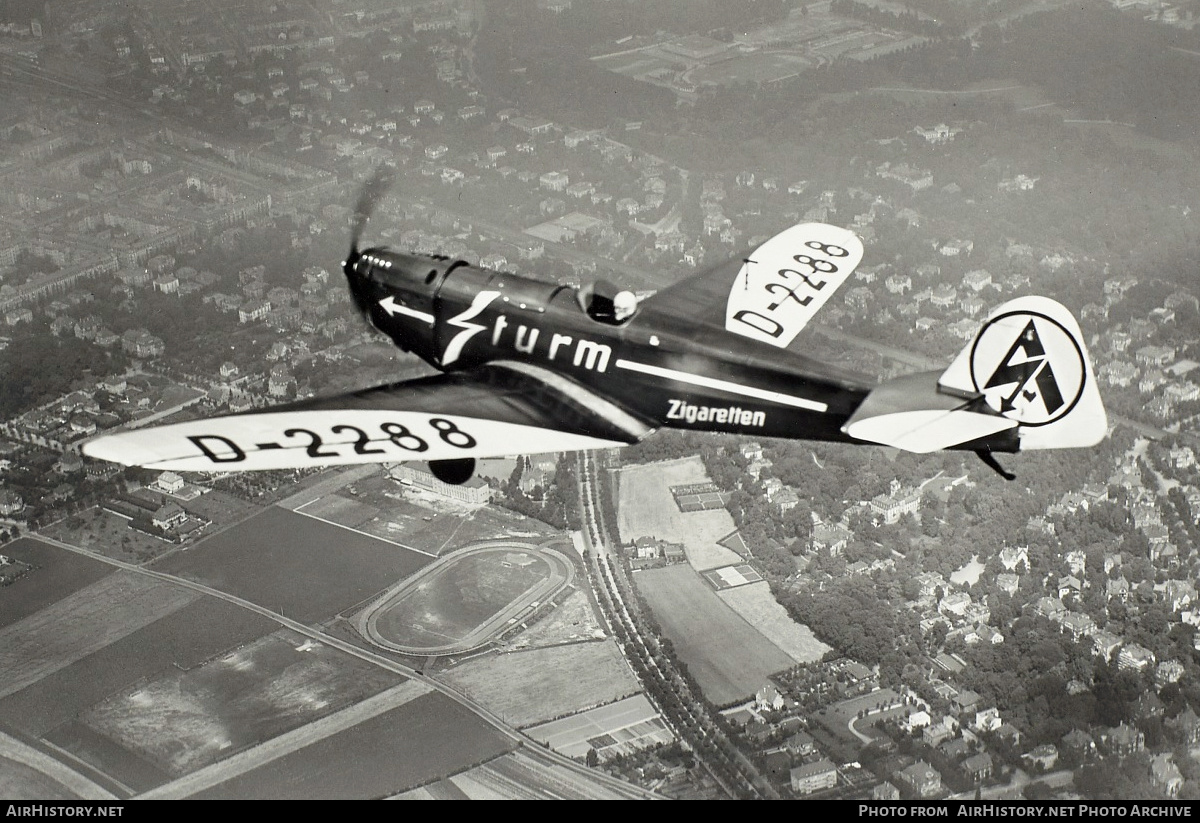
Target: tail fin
{"type": "Point", "coordinates": [1023, 382]}
{"type": "Point", "coordinates": [1030, 364]}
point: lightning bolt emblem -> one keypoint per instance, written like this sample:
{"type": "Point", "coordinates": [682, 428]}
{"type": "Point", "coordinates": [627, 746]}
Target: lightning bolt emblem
{"type": "Point", "coordinates": [1026, 369]}
{"type": "Point", "coordinates": [462, 320]}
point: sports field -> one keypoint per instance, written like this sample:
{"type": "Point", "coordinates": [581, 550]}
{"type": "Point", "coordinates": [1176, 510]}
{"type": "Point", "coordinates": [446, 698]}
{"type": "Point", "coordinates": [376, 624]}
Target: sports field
{"type": "Point", "coordinates": [452, 605]}
{"type": "Point", "coordinates": [732, 576]}
{"type": "Point", "coordinates": [648, 509]}
{"type": "Point", "coordinates": [534, 686]}
{"type": "Point", "coordinates": [303, 568]}
{"type": "Point", "coordinates": [728, 657]}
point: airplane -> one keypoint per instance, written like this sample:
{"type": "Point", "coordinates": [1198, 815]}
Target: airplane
{"type": "Point", "coordinates": [530, 366]}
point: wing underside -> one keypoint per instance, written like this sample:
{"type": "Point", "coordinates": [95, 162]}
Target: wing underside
{"type": "Point", "coordinates": [497, 410]}
{"type": "Point", "coordinates": [772, 293]}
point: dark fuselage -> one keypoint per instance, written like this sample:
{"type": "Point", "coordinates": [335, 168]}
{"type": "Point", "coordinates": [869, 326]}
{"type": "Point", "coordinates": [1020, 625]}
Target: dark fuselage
{"type": "Point", "coordinates": [664, 369]}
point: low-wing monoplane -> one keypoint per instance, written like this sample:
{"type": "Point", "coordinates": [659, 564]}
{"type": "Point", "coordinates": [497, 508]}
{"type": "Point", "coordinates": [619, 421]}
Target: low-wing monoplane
{"type": "Point", "coordinates": [528, 366]}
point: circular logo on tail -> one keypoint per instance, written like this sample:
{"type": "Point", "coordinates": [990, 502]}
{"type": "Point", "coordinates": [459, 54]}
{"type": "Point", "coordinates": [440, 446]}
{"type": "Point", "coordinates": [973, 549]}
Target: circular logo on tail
{"type": "Point", "coordinates": [1028, 367]}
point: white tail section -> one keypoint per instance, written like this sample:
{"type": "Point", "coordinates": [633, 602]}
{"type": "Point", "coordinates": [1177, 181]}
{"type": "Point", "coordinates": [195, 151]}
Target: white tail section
{"type": "Point", "coordinates": [1031, 365]}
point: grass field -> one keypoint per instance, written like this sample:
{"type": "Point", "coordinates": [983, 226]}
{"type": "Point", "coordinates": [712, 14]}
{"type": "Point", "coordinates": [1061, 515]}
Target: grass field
{"type": "Point", "coordinates": [647, 509]}
{"type": "Point", "coordinates": [184, 639]}
{"type": "Point", "coordinates": [533, 686]}
{"type": "Point", "coordinates": [728, 657]}
{"type": "Point", "coordinates": [57, 573]}
{"type": "Point", "coordinates": [413, 744]}
{"type": "Point", "coordinates": [572, 620]}
{"type": "Point", "coordinates": [760, 609]}
{"type": "Point", "coordinates": [187, 720]}
{"type": "Point", "coordinates": [304, 568]}
{"type": "Point", "coordinates": [81, 624]}
{"type": "Point", "coordinates": [388, 510]}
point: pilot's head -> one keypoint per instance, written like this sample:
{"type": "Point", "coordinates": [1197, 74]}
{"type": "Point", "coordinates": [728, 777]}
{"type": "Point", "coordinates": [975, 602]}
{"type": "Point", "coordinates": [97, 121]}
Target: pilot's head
{"type": "Point", "coordinates": [624, 305]}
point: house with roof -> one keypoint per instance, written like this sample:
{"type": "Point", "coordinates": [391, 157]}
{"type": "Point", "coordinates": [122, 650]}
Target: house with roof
{"type": "Point", "coordinates": [1122, 739]}
{"type": "Point", "coordinates": [955, 748]}
{"type": "Point", "coordinates": [936, 734]}
{"type": "Point", "coordinates": [1013, 556]}
{"type": "Point", "coordinates": [978, 767]}
{"type": "Point", "coordinates": [1077, 624]}
{"type": "Point", "coordinates": [987, 720]}
{"type": "Point", "coordinates": [1165, 774]}
{"type": "Point", "coordinates": [1104, 643]}
{"type": "Point", "coordinates": [1042, 757]}
{"type": "Point", "coordinates": [1186, 724]}
{"type": "Point", "coordinates": [917, 720]}
{"type": "Point", "coordinates": [921, 779]}
{"type": "Point", "coordinates": [168, 516]}
{"type": "Point", "coordinates": [768, 698]}
{"type": "Point", "coordinates": [169, 482]}
{"type": "Point", "coordinates": [898, 502]}
{"type": "Point", "coordinates": [965, 701]}
{"type": "Point", "coordinates": [812, 777]}
{"type": "Point", "coordinates": [1134, 657]}
{"type": "Point", "coordinates": [800, 744]}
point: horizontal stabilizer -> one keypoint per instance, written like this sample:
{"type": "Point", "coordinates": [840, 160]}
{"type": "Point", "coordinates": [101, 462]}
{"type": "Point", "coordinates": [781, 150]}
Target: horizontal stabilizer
{"type": "Point", "coordinates": [910, 413]}
{"type": "Point", "coordinates": [494, 411]}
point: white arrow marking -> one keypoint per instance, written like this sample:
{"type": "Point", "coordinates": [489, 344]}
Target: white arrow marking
{"type": "Point", "coordinates": [389, 305]}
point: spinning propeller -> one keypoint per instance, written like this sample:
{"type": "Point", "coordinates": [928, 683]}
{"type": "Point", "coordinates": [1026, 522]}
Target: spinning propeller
{"type": "Point", "coordinates": [368, 199]}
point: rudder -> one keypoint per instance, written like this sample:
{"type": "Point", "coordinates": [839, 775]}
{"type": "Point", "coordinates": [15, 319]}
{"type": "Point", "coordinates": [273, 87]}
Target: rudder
{"type": "Point", "coordinates": [1029, 362]}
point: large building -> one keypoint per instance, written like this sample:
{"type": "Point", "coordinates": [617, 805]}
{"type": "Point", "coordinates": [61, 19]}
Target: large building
{"type": "Point", "coordinates": [812, 777]}
{"type": "Point", "coordinates": [418, 474]}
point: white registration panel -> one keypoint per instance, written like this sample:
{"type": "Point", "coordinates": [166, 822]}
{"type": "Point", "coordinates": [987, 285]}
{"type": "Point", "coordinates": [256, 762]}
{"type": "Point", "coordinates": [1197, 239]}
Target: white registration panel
{"type": "Point", "coordinates": [787, 280]}
{"type": "Point", "coordinates": [304, 439]}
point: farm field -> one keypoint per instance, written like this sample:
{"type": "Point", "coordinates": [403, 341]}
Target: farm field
{"type": "Point", "coordinates": [647, 508]}
{"type": "Point", "coordinates": [184, 639]}
{"type": "Point", "coordinates": [760, 609]}
{"type": "Point", "coordinates": [534, 686]}
{"type": "Point", "coordinates": [83, 623]}
{"type": "Point", "coordinates": [518, 775]}
{"type": "Point", "coordinates": [187, 720]}
{"type": "Point", "coordinates": [619, 728]}
{"type": "Point", "coordinates": [304, 568]}
{"type": "Point", "coordinates": [19, 782]}
{"type": "Point", "coordinates": [375, 758]}
{"type": "Point", "coordinates": [56, 574]}
{"type": "Point", "coordinates": [728, 657]}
